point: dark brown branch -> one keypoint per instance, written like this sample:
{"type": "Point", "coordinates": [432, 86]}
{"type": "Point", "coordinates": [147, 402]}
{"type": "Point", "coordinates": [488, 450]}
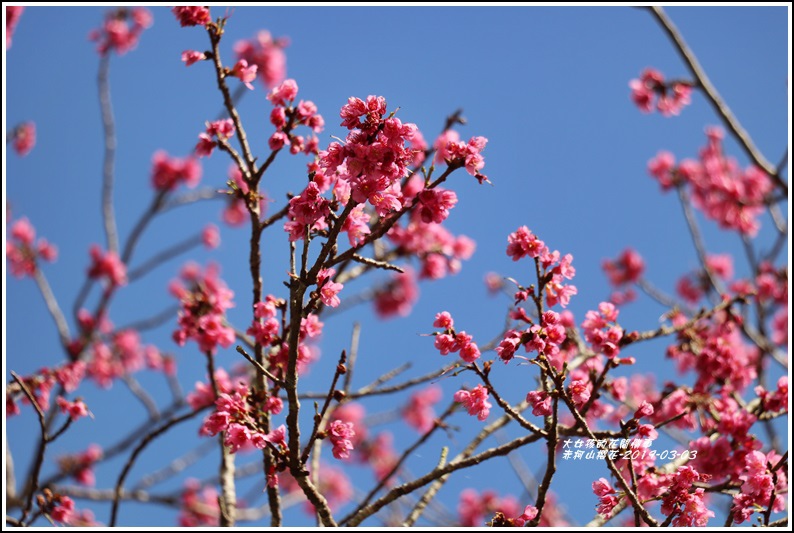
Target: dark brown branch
{"type": "Point", "coordinates": [319, 417]}
{"type": "Point", "coordinates": [437, 473]}
{"type": "Point", "coordinates": [134, 456]}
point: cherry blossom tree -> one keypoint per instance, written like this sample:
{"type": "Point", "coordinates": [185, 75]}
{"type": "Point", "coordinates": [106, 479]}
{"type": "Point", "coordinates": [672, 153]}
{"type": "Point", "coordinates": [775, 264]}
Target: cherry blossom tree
{"type": "Point", "coordinates": [284, 425]}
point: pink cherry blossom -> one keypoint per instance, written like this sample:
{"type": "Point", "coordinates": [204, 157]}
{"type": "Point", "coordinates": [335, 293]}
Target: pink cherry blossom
{"type": "Point", "coordinates": [627, 268]}
{"type": "Point", "coordinates": [523, 243]}
{"type": "Point", "coordinates": [540, 402]}
{"type": "Point", "coordinates": [13, 13]}
{"type": "Point", "coordinates": [211, 236]}
{"type": "Point", "coordinates": [475, 401]}
{"type": "Point", "coordinates": [398, 296]}
{"type": "Point", "coordinates": [245, 72]}
{"type": "Point", "coordinates": [107, 265]}
{"type": "Point", "coordinates": [328, 288]}
{"type": "Point", "coordinates": [76, 409]}
{"type": "Point", "coordinates": [340, 433]}
{"type": "Point", "coordinates": [267, 54]}
{"type": "Point", "coordinates": [121, 30]}
{"type": "Point", "coordinates": [24, 138]}
{"type": "Point", "coordinates": [284, 93]}
{"type": "Point", "coordinates": [192, 56]}
{"type": "Point", "coordinates": [168, 172]}
{"type": "Point", "coordinates": [419, 413]}
{"type": "Point", "coordinates": [192, 15]}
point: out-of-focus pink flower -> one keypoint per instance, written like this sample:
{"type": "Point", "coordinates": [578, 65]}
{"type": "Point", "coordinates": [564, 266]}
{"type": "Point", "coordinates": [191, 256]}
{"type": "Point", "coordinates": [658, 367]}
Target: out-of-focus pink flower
{"type": "Point", "coordinates": [192, 56]}
{"type": "Point", "coordinates": [474, 508]}
{"type": "Point", "coordinates": [199, 505]}
{"type": "Point", "coordinates": [398, 296]}
{"type": "Point", "coordinates": [627, 268]}
{"type": "Point", "coordinates": [168, 172]}
{"type": "Point", "coordinates": [419, 412]}
{"type": "Point", "coordinates": [211, 236]}
{"type": "Point", "coordinates": [192, 15]}
{"type": "Point", "coordinates": [76, 409]}
{"type": "Point", "coordinates": [267, 54]}
{"type": "Point", "coordinates": [24, 138]}
{"type": "Point", "coordinates": [671, 97]}
{"type": "Point", "coordinates": [13, 13]}
{"type": "Point", "coordinates": [121, 30]}
{"type": "Point", "coordinates": [108, 266]}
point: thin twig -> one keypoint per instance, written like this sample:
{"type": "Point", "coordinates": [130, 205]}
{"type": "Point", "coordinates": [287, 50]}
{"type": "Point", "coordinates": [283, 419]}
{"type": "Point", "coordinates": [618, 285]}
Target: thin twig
{"type": "Point", "coordinates": [416, 512]}
{"type": "Point", "coordinates": [109, 128]}
{"type": "Point", "coordinates": [164, 255]}
{"type": "Point", "coordinates": [259, 367]}
{"type": "Point", "coordinates": [53, 307]}
{"type": "Point", "coordinates": [136, 452]}
{"type": "Point", "coordinates": [319, 417]}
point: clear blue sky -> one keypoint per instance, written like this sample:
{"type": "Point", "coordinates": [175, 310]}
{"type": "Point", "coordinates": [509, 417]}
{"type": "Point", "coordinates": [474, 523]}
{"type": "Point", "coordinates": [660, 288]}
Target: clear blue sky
{"type": "Point", "coordinates": [567, 154]}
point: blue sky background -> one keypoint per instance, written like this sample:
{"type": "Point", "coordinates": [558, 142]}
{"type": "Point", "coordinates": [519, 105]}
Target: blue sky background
{"type": "Point", "coordinates": [567, 154]}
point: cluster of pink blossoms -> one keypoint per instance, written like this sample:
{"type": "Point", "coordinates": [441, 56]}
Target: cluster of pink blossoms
{"type": "Point", "coordinates": [81, 465]}
{"type": "Point", "coordinates": [235, 416]}
{"type": "Point", "coordinates": [23, 138]}
{"type": "Point", "coordinates": [236, 211]}
{"type": "Point", "coordinates": [419, 413]}
{"type": "Point", "coordinates": [449, 341]}
{"type": "Point", "coordinates": [122, 356]}
{"type": "Point", "coordinates": [341, 434]}
{"type": "Point", "coordinates": [286, 116]}
{"type": "Point", "coordinates": [267, 54]}
{"type": "Point", "coordinates": [374, 158]}
{"type": "Point", "coordinates": [475, 401]}
{"type": "Point", "coordinates": [758, 484]}
{"type": "Point", "coordinates": [69, 376]}
{"type": "Point", "coordinates": [204, 305]}
{"type": "Point", "coordinates": [545, 338]}
{"type": "Point", "coordinates": [23, 251]}
{"type": "Point", "coordinates": [439, 251]}
{"type": "Point", "coordinates": [310, 328]}
{"type": "Point", "coordinates": [732, 197]}
{"type": "Point", "coordinates": [398, 296]}
{"type": "Point", "coordinates": [627, 268]}
{"type": "Point", "coordinates": [13, 13]}
{"type": "Point", "coordinates": [671, 97]}
{"type": "Point", "coordinates": [376, 452]}
{"type": "Point", "coordinates": [602, 331]}
{"type": "Point", "coordinates": [199, 505]}
{"type": "Point", "coordinates": [693, 286]}
{"type": "Point", "coordinates": [474, 508]}
{"type": "Point", "coordinates": [455, 153]}
{"type": "Point", "coordinates": [107, 266]}
{"type": "Point", "coordinates": [168, 172]}
{"type": "Point", "coordinates": [192, 15]}
{"type": "Point", "coordinates": [685, 503]}
{"type": "Point", "coordinates": [121, 30]}
{"type": "Point", "coordinates": [523, 243]}
{"type": "Point", "coordinates": [220, 130]}
{"type": "Point", "coordinates": [265, 327]}
{"type": "Point", "coordinates": [714, 348]}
